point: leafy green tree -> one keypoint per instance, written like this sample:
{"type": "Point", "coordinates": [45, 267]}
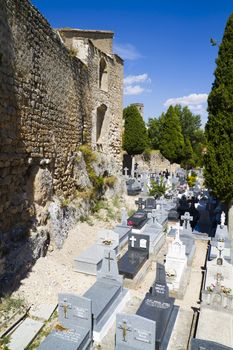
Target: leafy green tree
{"type": "Point", "coordinates": [219, 127]}
{"type": "Point", "coordinates": [190, 122]}
{"type": "Point", "coordinates": [135, 138]}
{"type": "Point", "coordinates": [171, 138]}
{"type": "Point", "coordinates": [188, 155]}
{"type": "Point", "coordinates": [154, 132]}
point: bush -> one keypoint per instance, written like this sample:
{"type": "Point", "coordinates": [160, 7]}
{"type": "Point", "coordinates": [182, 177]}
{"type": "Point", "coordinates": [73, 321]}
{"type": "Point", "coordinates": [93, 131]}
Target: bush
{"type": "Point", "coordinates": [157, 190]}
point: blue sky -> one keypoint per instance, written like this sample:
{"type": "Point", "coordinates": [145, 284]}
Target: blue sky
{"type": "Point", "coordinates": [165, 44]}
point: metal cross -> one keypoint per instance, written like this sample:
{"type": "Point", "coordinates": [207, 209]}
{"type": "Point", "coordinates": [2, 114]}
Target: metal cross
{"type": "Point", "coordinates": [65, 307]}
{"type": "Point", "coordinates": [124, 329]}
{"type": "Point", "coordinates": [109, 261]}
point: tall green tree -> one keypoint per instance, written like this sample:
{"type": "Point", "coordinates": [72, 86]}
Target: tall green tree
{"type": "Point", "coordinates": [171, 138]}
{"type": "Point", "coordinates": [135, 138]}
{"type": "Point", "coordinates": [219, 127]}
{"type": "Point", "coordinates": [190, 122]}
{"type": "Point", "coordinates": [154, 132]}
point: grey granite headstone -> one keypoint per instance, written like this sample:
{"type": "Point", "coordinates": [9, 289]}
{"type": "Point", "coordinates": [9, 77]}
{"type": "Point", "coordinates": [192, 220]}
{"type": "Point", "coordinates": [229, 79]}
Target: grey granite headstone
{"type": "Point", "coordinates": [107, 292]}
{"type": "Point", "coordinates": [159, 307]}
{"type": "Point", "coordinates": [134, 333]}
{"type": "Point", "coordinates": [75, 324]}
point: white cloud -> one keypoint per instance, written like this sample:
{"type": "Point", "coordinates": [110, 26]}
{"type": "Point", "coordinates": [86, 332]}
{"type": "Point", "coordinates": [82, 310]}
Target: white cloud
{"type": "Point", "coordinates": [190, 100]}
{"type": "Point", "coordinates": [133, 90]}
{"type": "Point", "coordinates": [133, 84]}
{"type": "Point", "coordinates": [131, 79]}
{"type": "Point", "coordinates": [126, 51]}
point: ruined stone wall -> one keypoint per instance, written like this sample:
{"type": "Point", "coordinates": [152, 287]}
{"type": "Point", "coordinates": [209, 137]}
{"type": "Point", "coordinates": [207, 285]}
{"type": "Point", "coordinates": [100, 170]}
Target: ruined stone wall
{"type": "Point", "coordinates": [44, 101]}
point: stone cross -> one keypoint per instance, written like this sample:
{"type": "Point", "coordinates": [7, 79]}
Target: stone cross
{"type": "Point", "coordinates": [140, 202]}
{"type": "Point", "coordinates": [65, 307]}
{"type": "Point", "coordinates": [132, 239]}
{"type": "Point", "coordinates": [223, 217]}
{"type": "Point", "coordinates": [126, 171]}
{"type": "Point", "coordinates": [186, 218]}
{"type": "Point", "coordinates": [123, 326]}
{"type": "Point", "coordinates": [109, 261]}
{"type": "Point", "coordinates": [154, 215]}
{"type": "Point", "coordinates": [124, 217]}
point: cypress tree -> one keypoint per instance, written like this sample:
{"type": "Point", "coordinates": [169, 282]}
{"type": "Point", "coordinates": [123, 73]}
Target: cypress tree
{"type": "Point", "coordinates": [219, 127]}
{"type": "Point", "coordinates": [135, 139]}
{"type": "Point", "coordinates": [171, 139]}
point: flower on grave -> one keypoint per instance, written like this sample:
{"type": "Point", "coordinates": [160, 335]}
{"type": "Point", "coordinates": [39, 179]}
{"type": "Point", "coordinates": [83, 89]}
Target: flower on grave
{"type": "Point", "coordinates": [107, 241]}
{"type": "Point", "coordinates": [210, 288]}
{"type": "Point", "coordinates": [225, 290]}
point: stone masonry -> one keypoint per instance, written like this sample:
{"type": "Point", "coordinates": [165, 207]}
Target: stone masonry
{"type": "Point", "coordinates": [55, 95]}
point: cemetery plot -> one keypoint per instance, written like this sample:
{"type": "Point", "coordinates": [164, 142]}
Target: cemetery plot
{"type": "Point", "coordinates": [200, 344]}
{"type": "Point", "coordinates": [155, 231]}
{"type": "Point", "coordinates": [159, 307]}
{"type": "Point", "coordinates": [90, 261]}
{"type": "Point", "coordinates": [137, 221]}
{"type": "Point", "coordinates": [74, 331]}
{"type": "Point", "coordinates": [221, 235]}
{"type": "Point", "coordinates": [134, 333]}
{"type": "Point", "coordinates": [137, 254]}
{"type": "Point", "coordinates": [123, 229]}
{"type": "Point", "coordinates": [107, 295]}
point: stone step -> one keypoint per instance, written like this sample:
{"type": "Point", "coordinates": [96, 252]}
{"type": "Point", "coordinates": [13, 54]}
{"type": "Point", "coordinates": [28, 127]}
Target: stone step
{"type": "Point", "coordinates": [24, 334]}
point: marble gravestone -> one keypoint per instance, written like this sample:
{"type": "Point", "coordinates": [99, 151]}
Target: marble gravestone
{"type": "Point", "coordinates": [134, 333]}
{"type": "Point", "coordinates": [155, 231]}
{"type": "Point", "coordinates": [136, 255]}
{"type": "Point", "coordinates": [107, 295]}
{"type": "Point", "coordinates": [159, 307]}
{"type": "Point", "coordinates": [176, 263]}
{"type": "Point", "coordinates": [219, 267]}
{"type": "Point", "coordinates": [74, 331]}
{"type": "Point", "coordinates": [221, 235]}
{"type": "Point", "coordinates": [138, 221]}
{"type": "Point", "coordinates": [216, 314]}
{"type": "Point", "coordinates": [90, 261]}
{"type": "Point", "coordinates": [123, 229]}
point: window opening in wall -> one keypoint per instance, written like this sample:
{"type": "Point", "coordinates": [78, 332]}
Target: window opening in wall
{"type": "Point", "coordinates": [103, 75]}
{"type": "Point", "coordinates": [101, 111]}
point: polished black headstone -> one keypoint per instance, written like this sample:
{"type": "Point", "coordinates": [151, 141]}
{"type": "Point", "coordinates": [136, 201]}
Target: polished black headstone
{"type": "Point", "coordinates": [159, 307]}
{"type": "Point", "coordinates": [138, 219]}
{"type": "Point", "coordinates": [135, 257]}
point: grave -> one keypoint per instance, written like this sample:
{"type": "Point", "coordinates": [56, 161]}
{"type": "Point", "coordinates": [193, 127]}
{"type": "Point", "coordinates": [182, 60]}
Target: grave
{"type": "Point", "coordinates": [221, 235]}
{"type": "Point", "coordinates": [107, 295]}
{"type": "Point", "coordinates": [219, 267]}
{"type": "Point", "coordinates": [150, 204]}
{"type": "Point", "coordinates": [74, 331]}
{"type": "Point", "coordinates": [138, 221]}
{"type": "Point", "coordinates": [176, 263]}
{"type": "Point", "coordinates": [134, 333]}
{"type": "Point", "coordinates": [90, 261]}
{"type": "Point", "coordinates": [159, 307]}
{"type": "Point", "coordinates": [173, 218]}
{"type": "Point", "coordinates": [133, 187]}
{"type": "Point", "coordinates": [155, 231]}
{"type": "Point", "coordinates": [215, 321]}
{"type": "Point", "coordinates": [136, 255]}
{"type": "Point", "coordinates": [123, 229]}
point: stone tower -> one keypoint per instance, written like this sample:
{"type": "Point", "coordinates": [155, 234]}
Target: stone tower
{"type": "Point", "coordinates": [140, 107]}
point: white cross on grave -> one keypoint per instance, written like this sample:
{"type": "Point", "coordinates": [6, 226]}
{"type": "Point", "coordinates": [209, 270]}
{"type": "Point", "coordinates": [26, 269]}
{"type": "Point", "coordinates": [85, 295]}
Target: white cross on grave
{"type": "Point", "coordinates": [186, 218]}
{"type": "Point", "coordinates": [132, 239]}
{"type": "Point", "coordinates": [126, 171]}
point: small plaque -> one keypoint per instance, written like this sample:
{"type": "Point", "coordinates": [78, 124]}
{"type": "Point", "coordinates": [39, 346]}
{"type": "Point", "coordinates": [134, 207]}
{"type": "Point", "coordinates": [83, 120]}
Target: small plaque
{"type": "Point", "coordinates": [157, 304]}
{"type": "Point", "coordinates": [142, 336]}
{"type": "Point", "coordinates": [68, 335]}
{"type": "Point", "coordinates": [81, 313]}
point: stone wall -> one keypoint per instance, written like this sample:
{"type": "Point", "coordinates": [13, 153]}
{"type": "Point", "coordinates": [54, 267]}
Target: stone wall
{"type": "Point", "coordinates": [49, 101]}
{"type": "Point", "coordinates": [155, 162]}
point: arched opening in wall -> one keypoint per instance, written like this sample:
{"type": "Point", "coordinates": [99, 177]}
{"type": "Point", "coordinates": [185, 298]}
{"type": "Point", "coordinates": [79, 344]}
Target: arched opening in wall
{"type": "Point", "coordinates": [101, 111]}
{"type": "Point", "coordinates": [103, 75]}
